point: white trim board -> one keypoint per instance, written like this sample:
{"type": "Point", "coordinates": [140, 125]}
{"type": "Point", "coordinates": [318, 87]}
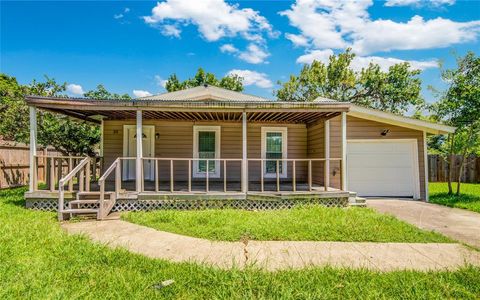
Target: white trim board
{"type": "Point", "coordinates": [284, 132]}
{"type": "Point", "coordinates": [401, 121]}
{"type": "Point", "coordinates": [415, 162]}
{"type": "Point", "coordinates": [196, 130]}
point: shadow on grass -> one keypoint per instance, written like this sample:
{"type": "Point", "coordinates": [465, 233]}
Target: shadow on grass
{"type": "Point", "coordinates": [14, 196]}
{"type": "Point", "coordinates": [445, 198]}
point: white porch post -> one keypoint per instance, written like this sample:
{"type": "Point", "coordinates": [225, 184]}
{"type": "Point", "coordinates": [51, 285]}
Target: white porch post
{"type": "Point", "coordinates": [33, 148]}
{"type": "Point", "coordinates": [139, 162]}
{"type": "Point", "coordinates": [244, 153]}
{"type": "Point", "coordinates": [327, 154]}
{"type": "Point", "coordinates": [344, 151]}
{"type": "Point", "coordinates": [425, 163]}
{"type": "Point", "coordinates": [101, 138]}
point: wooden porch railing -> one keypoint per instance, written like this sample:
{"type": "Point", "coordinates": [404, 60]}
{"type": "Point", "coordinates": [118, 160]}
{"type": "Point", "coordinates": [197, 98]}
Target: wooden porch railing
{"type": "Point", "coordinates": [224, 165]}
{"type": "Point", "coordinates": [294, 161]}
{"type": "Point", "coordinates": [190, 161]}
{"type": "Point", "coordinates": [55, 167]}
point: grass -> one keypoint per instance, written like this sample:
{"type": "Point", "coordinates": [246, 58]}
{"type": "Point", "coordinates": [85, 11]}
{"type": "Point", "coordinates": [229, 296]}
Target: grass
{"type": "Point", "coordinates": [38, 260]}
{"type": "Point", "coordinates": [468, 199]}
{"type": "Point", "coordinates": [300, 224]}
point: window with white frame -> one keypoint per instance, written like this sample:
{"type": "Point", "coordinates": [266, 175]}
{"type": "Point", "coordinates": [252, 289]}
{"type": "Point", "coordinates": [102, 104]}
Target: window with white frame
{"type": "Point", "coordinates": [206, 144]}
{"type": "Point", "coordinates": [274, 148]}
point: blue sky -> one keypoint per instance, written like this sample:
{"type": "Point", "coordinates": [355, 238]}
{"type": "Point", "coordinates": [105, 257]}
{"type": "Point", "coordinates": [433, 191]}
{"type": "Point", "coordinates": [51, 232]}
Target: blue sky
{"type": "Point", "coordinates": [135, 46]}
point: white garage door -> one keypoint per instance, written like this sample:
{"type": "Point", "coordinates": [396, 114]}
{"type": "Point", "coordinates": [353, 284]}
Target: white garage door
{"type": "Point", "coordinates": [382, 168]}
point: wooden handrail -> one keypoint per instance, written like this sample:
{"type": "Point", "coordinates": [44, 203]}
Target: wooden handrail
{"type": "Point", "coordinates": [64, 180]}
{"type": "Point", "coordinates": [114, 166]}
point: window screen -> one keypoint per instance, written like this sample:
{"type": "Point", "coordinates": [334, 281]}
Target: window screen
{"type": "Point", "coordinates": [206, 149]}
{"type": "Point", "coordinates": [273, 151]}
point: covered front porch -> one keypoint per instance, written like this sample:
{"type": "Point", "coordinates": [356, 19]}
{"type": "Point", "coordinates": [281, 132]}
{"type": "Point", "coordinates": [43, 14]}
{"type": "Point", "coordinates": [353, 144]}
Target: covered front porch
{"type": "Point", "coordinates": [197, 150]}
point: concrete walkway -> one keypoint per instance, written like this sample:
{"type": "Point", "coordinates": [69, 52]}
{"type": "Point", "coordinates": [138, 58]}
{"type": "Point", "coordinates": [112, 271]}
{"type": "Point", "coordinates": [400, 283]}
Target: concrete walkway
{"type": "Point", "coordinates": [273, 255]}
{"type": "Point", "coordinates": [458, 224]}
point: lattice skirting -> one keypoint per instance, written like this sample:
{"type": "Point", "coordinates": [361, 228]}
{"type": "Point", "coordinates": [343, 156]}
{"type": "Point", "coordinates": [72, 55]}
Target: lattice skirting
{"type": "Point", "coordinates": [131, 205]}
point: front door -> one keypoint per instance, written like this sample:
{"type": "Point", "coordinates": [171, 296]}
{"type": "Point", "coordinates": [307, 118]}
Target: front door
{"type": "Point", "coordinates": [206, 144]}
{"type": "Point", "coordinates": [130, 150]}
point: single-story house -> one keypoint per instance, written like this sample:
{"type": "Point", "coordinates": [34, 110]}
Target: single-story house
{"type": "Point", "coordinates": [214, 145]}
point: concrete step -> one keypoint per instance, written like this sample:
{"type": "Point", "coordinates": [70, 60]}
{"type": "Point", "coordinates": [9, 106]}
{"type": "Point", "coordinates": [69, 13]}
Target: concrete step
{"type": "Point", "coordinates": [357, 204]}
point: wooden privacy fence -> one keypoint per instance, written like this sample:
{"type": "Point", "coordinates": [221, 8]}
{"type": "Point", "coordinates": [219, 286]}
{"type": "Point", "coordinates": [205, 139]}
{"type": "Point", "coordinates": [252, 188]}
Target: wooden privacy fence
{"type": "Point", "coordinates": [438, 169]}
{"type": "Point", "coordinates": [14, 163]}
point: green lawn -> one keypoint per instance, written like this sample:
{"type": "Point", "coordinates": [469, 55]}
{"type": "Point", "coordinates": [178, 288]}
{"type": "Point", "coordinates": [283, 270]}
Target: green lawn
{"type": "Point", "coordinates": [38, 260]}
{"type": "Point", "coordinates": [313, 223]}
{"type": "Point", "coordinates": [469, 198]}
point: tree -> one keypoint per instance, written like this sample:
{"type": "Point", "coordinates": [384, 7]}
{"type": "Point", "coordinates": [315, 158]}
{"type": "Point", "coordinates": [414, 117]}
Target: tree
{"type": "Point", "coordinates": [231, 82]}
{"type": "Point", "coordinates": [65, 134]}
{"type": "Point", "coordinates": [395, 91]}
{"type": "Point", "coordinates": [101, 93]}
{"type": "Point", "coordinates": [459, 106]}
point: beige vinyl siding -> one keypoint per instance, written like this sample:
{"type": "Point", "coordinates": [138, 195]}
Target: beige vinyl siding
{"type": "Point", "coordinates": [358, 128]}
{"type": "Point", "coordinates": [176, 141]}
{"type": "Point", "coordinates": [316, 146]}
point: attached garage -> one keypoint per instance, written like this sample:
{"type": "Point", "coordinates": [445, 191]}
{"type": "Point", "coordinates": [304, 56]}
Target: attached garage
{"type": "Point", "coordinates": [383, 167]}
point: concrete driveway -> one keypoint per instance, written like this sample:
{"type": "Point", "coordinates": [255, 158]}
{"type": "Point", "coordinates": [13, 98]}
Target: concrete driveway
{"type": "Point", "coordinates": [458, 224]}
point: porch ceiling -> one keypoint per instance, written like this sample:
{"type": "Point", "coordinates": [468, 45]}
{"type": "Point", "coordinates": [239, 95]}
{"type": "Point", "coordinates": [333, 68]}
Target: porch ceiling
{"type": "Point", "coordinates": [274, 111]}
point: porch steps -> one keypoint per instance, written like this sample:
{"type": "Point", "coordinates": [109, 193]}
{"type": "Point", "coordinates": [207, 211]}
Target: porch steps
{"type": "Point", "coordinates": [86, 204]}
{"type": "Point", "coordinates": [355, 201]}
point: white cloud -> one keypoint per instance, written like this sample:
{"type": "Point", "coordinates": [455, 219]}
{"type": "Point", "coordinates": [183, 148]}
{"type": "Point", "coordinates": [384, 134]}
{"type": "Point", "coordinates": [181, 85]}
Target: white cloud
{"type": "Point", "coordinates": [297, 39]}
{"type": "Point", "coordinates": [160, 81]}
{"type": "Point", "coordinates": [228, 48]}
{"type": "Point", "coordinates": [171, 30]}
{"type": "Point", "coordinates": [319, 55]}
{"type": "Point", "coordinates": [120, 16]}
{"type": "Point", "coordinates": [141, 93]}
{"type": "Point", "coordinates": [386, 35]}
{"type": "Point", "coordinates": [325, 24]}
{"type": "Point", "coordinates": [435, 3]}
{"type": "Point", "coordinates": [253, 78]}
{"type": "Point", "coordinates": [75, 89]}
{"type": "Point", "coordinates": [253, 54]}
{"type": "Point", "coordinates": [215, 19]}
{"type": "Point", "coordinates": [360, 62]}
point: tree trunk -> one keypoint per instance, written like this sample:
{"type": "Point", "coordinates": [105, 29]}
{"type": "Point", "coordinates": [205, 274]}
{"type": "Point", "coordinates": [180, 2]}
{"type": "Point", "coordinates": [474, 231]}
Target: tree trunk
{"type": "Point", "coordinates": [451, 137]}
{"type": "Point", "coordinates": [464, 155]}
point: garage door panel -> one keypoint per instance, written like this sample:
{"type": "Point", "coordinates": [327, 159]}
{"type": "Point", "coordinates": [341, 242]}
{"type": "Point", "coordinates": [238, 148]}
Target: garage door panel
{"type": "Point", "coordinates": [386, 160]}
{"type": "Point", "coordinates": [387, 147]}
{"type": "Point", "coordinates": [381, 168]}
{"type": "Point", "coordinates": [380, 174]}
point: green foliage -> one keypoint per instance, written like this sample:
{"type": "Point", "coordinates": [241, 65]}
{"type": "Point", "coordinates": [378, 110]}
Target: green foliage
{"type": "Point", "coordinates": [39, 260]}
{"type": "Point", "coordinates": [469, 199]}
{"type": "Point", "coordinates": [312, 223]}
{"type": "Point", "coordinates": [101, 93]}
{"type": "Point", "coordinates": [65, 134]}
{"type": "Point", "coordinates": [230, 82]}
{"type": "Point", "coordinates": [395, 91]}
{"type": "Point", "coordinates": [459, 106]}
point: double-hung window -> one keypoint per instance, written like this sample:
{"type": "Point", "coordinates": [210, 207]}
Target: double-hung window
{"type": "Point", "coordinates": [274, 149]}
{"type": "Point", "coordinates": [206, 144]}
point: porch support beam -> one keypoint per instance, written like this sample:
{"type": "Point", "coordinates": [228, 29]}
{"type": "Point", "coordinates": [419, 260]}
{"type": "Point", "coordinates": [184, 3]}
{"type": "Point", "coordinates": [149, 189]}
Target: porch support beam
{"type": "Point", "coordinates": [244, 153]}
{"type": "Point", "coordinates": [326, 175]}
{"type": "Point", "coordinates": [33, 148]}
{"type": "Point", "coordinates": [344, 152]}
{"type": "Point", "coordinates": [139, 173]}
{"type": "Point", "coordinates": [425, 163]}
